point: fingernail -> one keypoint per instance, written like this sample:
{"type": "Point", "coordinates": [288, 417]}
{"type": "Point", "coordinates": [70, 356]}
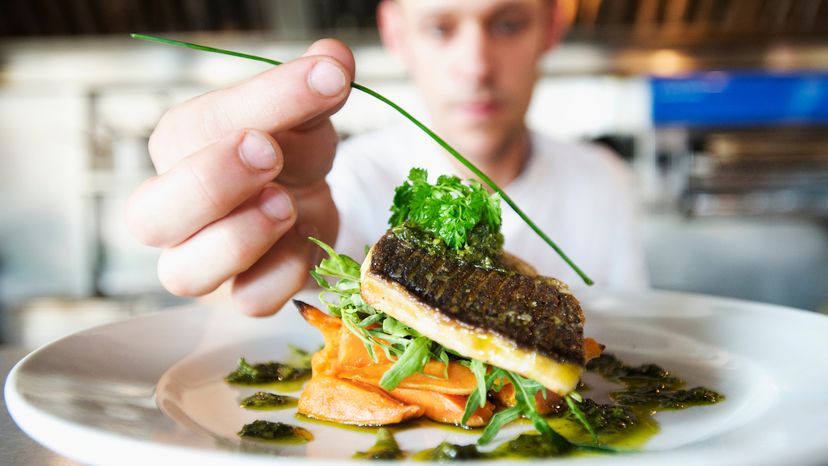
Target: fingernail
{"type": "Point", "coordinates": [276, 204]}
{"type": "Point", "coordinates": [257, 152]}
{"type": "Point", "coordinates": [327, 79]}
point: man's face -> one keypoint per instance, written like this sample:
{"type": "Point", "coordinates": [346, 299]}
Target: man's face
{"type": "Point", "coordinates": [475, 62]}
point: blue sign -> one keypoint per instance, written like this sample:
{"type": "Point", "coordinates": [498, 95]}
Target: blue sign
{"type": "Point", "coordinates": [718, 98]}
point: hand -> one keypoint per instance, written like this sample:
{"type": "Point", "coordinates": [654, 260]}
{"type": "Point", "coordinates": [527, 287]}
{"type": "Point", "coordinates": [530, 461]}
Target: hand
{"type": "Point", "coordinates": [241, 182]}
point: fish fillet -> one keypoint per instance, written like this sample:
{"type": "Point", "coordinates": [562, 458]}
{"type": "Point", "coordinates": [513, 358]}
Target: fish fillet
{"type": "Point", "coordinates": [530, 325]}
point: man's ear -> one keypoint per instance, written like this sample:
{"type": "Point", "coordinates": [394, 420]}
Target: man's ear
{"type": "Point", "coordinates": [559, 15]}
{"type": "Point", "coordinates": [390, 24]}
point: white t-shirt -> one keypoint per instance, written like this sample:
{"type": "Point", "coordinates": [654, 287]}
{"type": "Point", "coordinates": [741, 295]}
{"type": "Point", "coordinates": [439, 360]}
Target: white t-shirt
{"type": "Point", "coordinates": [580, 195]}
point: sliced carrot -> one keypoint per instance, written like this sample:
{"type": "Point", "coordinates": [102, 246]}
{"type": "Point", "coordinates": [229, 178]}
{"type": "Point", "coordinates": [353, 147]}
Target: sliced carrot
{"type": "Point", "coordinates": [323, 361]}
{"type": "Point", "coordinates": [327, 324]}
{"type": "Point", "coordinates": [549, 404]}
{"type": "Point", "coordinates": [592, 349]}
{"type": "Point", "coordinates": [442, 407]}
{"type": "Point", "coordinates": [460, 379]}
{"type": "Point", "coordinates": [345, 402]}
{"type": "Point", "coordinates": [352, 351]}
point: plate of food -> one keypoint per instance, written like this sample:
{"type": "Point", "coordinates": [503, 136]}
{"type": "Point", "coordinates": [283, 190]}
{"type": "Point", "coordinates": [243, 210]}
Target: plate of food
{"type": "Point", "coordinates": [438, 346]}
{"type": "Point", "coordinates": [153, 389]}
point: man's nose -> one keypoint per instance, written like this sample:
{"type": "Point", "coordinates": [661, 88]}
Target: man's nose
{"type": "Point", "coordinates": [473, 54]}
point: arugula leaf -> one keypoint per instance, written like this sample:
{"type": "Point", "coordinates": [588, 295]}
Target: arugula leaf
{"type": "Point", "coordinates": [497, 422]}
{"type": "Point", "coordinates": [579, 415]}
{"type": "Point", "coordinates": [413, 360]}
{"type": "Point", "coordinates": [525, 391]}
{"type": "Point", "coordinates": [477, 398]}
{"type": "Point", "coordinates": [472, 404]}
{"type": "Point", "coordinates": [443, 356]}
{"type": "Point", "coordinates": [478, 368]}
{"type": "Point", "coordinates": [449, 208]}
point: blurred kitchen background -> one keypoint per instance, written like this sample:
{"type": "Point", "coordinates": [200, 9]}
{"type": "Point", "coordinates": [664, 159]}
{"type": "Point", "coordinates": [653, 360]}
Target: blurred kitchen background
{"type": "Point", "coordinates": [720, 106]}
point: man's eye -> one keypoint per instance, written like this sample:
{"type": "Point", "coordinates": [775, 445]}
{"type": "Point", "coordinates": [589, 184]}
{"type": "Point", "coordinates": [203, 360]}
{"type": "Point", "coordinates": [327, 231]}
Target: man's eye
{"type": "Point", "coordinates": [438, 30]}
{"type": "Point", "coordinates": [507, 27]}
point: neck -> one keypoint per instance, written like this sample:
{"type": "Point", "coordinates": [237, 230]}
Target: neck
{"type": "Point", "coordinates": [503, 164]}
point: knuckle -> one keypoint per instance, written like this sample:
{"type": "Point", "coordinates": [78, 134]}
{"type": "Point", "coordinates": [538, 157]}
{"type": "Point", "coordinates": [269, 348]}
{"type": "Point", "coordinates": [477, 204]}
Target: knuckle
{"type": "Point", "coordinates": [211, 197]}
{"type": "Point", "coordinates": [175, 280]}
{"type": "Point", "coordinates": [214, 119]}
{"type": "Point", "coordinates": [137, 223]}
{"type": "Point", "coordinates": [235, 251]}
{"type": "Point", "coordinates": [167, 143]}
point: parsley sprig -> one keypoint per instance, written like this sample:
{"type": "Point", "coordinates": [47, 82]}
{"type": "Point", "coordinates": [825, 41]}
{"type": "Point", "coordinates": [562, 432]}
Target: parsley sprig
{"type": "Point", "coordinates": [448, 208]}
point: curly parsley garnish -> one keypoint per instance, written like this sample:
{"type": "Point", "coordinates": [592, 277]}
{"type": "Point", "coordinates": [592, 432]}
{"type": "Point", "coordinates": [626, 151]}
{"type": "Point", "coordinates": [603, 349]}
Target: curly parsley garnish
{"type": "Point", "coordinates": [449, 208]}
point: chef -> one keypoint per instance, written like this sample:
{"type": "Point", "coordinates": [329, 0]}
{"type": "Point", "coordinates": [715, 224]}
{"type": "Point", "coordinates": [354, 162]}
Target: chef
{"type": "Point", "coordinates": [247, 173]}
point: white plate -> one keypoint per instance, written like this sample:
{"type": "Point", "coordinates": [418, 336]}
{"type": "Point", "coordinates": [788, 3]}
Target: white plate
{"type": "Point", "coordinates": [149, 390]}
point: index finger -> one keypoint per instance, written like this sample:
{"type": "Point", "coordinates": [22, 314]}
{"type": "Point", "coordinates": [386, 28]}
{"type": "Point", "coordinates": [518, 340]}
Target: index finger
{"type": "Point", "coordinates": [276, 100]}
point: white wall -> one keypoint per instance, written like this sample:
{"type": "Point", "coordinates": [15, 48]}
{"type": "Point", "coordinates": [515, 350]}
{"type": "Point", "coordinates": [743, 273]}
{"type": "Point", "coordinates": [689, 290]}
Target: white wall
{"type": "Point", "coordinates": [42, 182]}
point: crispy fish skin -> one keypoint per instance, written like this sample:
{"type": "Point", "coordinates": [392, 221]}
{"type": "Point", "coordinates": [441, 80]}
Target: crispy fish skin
{"type": "Point", "coordinates": [529, 325]}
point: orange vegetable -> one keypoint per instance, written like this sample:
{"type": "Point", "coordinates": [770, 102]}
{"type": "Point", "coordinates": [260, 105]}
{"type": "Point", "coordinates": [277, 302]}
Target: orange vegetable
{"type": "Point", "coordinates": [345, 402]}
{"type": "Point", "coordinates": [552, 403]}
{"type": "Point", "coordinates": [345, 383]}
{"type": "Point", "coordinates": [592, 349]}
{"type": "Point", "coordinates": [442, 407]}
{"type": "Point", "coordinates": [324, 361]}
{"type": "Point", "coordinates": [352, 352]}
{"type": "Point", "coordinates": [460, 379]}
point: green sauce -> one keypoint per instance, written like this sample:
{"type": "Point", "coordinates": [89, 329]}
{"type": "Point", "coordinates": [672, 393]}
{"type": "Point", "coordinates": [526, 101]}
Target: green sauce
{"type": "Point", "coordinates": [386, 448]}
{"type": "Point", "coordinates": [482, 249]}
{"type": "Point", "coordinates": [264, 401]}
{"type": "Point", "coordinates": [276, 432]}
{"type": "Point", "coordinates": [525, 445]}
{"type": "Point", "coordinates": [268, 373]}
{"type": "Point", "coordinates": [650, 386]}
{"type": "Point", "coordinates": [625, 424]}
{"type": "Point", "coordinates": [529, 445]}
{"type": "Point", "coordinates": [446, 452]}
{"type": "Point", "coordinates": [629, 431]}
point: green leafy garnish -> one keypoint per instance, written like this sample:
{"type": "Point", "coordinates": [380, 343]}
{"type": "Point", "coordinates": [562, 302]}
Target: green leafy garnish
{"type": "Point", "coordinates": [579, 415]}
{"type": "Point", "coordinates": [497, 422]}
{"type": "Point", "coordinates": [449, 208]}
{"type": "Point", "coordinates": [477, 172]}
{"type": "Point", "coordinates": [478, 368]}
{"type": "Point", "coordinates": [412, 361]}
{"type": "Point", "coordinates": [410, 350]}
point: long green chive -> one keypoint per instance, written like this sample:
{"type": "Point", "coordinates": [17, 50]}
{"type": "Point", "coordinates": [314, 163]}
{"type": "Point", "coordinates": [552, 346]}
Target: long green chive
{"type": "Point", "coordinates": [483, 177]}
